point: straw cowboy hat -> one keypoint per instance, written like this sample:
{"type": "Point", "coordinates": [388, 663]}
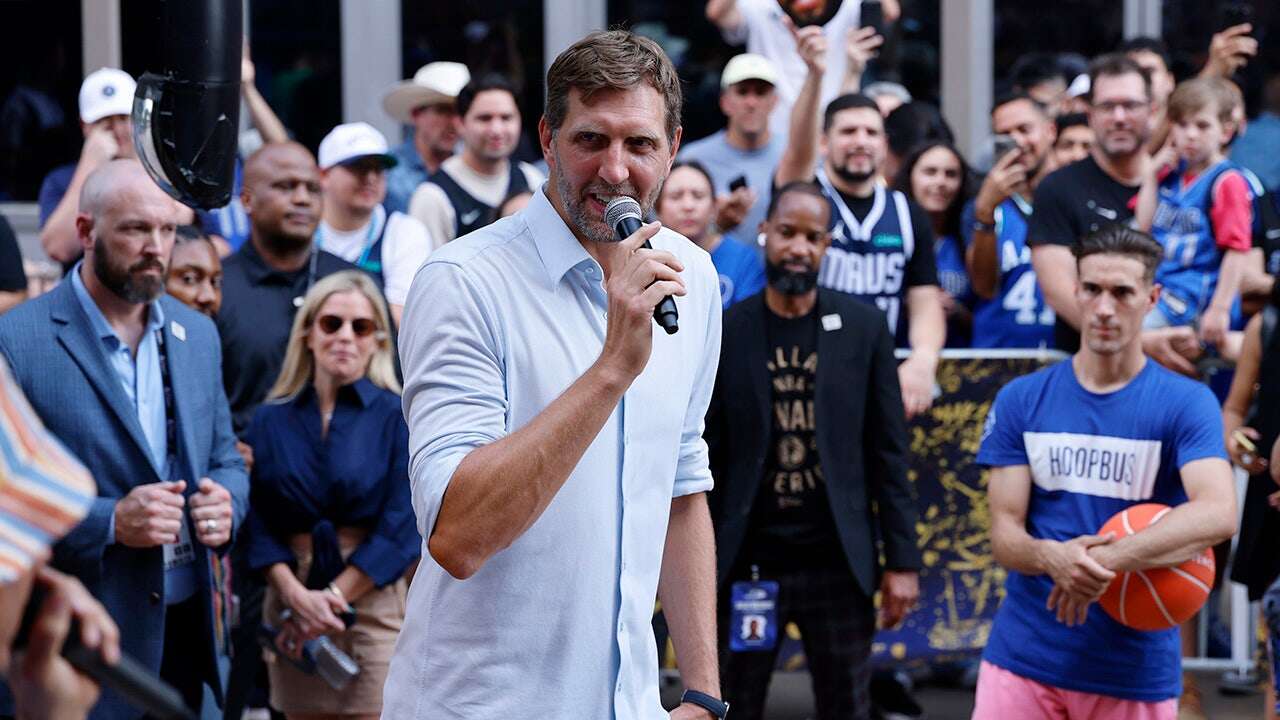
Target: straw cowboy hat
{"type": "Point", "coordinates": [434, 83]}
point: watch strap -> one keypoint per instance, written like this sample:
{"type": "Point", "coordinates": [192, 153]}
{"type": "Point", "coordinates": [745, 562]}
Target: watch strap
{"type": "Point", "coordinates": [713, 705]}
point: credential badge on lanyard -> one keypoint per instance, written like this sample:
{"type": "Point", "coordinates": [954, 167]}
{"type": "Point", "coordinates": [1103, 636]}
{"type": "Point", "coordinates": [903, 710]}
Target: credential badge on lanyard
{"type": "Point", "coordinates": [753, 620]}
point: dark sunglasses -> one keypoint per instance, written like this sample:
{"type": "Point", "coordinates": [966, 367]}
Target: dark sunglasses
{"type": "Point", "coordinates": [330, 324]}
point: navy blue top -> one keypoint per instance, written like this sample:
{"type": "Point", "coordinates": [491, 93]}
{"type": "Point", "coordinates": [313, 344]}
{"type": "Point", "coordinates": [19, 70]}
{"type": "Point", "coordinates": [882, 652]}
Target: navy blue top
{"type": "Point", "coordinates": [53, 188]}
{"type": "Point", "coordinates": [357, 476]}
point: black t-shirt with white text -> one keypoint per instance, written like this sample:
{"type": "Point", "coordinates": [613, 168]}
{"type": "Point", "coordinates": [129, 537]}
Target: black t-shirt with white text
{"type": "Point", "coordinates": [791, 523]}
{"type": "Point", "coordinates": [1070, 203]}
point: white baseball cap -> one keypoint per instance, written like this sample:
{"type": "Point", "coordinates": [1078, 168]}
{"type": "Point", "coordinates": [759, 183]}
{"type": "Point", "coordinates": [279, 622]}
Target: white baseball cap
{"type": "Point", "coordinates": [106, 92]}
{"type": "Point", "coordinates": [351, 141]}
{"type": "Point", "coordinates": [748, 66]}
{"type": "Point", "coordinates": [434, 83]}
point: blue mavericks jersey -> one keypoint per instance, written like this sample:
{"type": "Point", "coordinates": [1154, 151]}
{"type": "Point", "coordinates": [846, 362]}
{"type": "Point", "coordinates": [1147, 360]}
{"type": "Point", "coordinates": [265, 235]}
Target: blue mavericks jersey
{"type": "Point", "coordinates": [1090, 456]}
{"type": "Point", "coordinates": [1018, 316]}
{"type": "Point", "coordinates": [953, 276]}
{"type": "Point", "coordinates": [869, 259]}
{"type": "Point", "coordinates": [740, 268]}
{"type": "Point", "coordinates": [1189, 271]}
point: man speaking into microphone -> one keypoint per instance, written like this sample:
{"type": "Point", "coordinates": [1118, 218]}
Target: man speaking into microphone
{"type": "Point", "coordinates": [556, 453]}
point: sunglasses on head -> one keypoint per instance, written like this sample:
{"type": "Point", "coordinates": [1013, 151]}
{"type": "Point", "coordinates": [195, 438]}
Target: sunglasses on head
{"type": "Point", "coordinates": [330, 324]}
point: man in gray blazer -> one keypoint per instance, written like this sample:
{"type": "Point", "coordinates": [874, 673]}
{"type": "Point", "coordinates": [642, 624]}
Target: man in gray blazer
{"type": "Point", "coordinates": [130, 380]}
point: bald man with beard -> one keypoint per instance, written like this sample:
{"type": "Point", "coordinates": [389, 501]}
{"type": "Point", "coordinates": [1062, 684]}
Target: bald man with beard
{"type": "Point", "coordinates": [126, 378]}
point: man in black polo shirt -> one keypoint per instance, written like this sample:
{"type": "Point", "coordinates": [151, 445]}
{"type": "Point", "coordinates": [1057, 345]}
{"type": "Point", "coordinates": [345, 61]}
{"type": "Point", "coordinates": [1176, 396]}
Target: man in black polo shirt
{"type": "Point", "coordinates": [264, 281]}
{"type": "Point", "coordinates": [1097, 191]}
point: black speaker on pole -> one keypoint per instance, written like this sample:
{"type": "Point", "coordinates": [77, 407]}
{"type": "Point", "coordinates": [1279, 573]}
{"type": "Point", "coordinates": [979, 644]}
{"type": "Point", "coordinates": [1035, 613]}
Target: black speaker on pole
{"type": "Point", "coordinates": [186, 115]}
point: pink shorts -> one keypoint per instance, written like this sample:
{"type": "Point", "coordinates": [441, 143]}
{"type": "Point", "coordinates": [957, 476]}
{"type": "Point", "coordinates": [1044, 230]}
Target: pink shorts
{"type": "Point", "coordinates": [1002, 694]}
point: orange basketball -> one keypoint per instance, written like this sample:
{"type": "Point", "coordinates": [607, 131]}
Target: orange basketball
{"type": "Point", "coordinates": [1160, 598]}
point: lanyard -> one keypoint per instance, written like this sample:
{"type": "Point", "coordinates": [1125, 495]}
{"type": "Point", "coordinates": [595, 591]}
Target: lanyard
{"type": "Point", "coordinates": [376, 223]}
{"type": "Point", "coordinates": [170, 418]}
{"type": "Point", "coordinates": [311, 277]}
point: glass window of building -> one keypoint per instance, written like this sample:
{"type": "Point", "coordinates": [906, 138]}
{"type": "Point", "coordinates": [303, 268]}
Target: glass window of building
{"type": "Point", "coordinates": [297, 54]}
{"type": "Point", "coordinates": [40, 73]}
{"type": "Point", "coordinates": [1071, 32]}
{"type": "Point", "coordinates": [503, 36]}
{"type": "Point", "coordinates": [1189, 25]}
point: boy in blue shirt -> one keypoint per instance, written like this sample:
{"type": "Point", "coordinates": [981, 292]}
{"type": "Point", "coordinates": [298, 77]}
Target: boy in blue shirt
{"type": "Point", "coordinates": [1068, 447]}
{"type": "Point", "coordinates": [1198, 205]}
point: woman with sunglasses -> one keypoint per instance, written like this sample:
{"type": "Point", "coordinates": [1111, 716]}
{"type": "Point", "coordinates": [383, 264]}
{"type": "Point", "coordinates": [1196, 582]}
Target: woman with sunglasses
{"type": "Point", "coordinates": [332, 525]}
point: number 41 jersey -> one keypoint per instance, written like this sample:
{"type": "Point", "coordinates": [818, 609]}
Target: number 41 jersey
{"type": "Point", "coordinates": [1018, 316]}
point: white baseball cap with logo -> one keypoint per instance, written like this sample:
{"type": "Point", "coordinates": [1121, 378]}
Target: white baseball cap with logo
{"type": "Point", "coordinates": [436, 83]}
{"type": "Point", "coordinates": [748, 66]}
{"type": "Point", "coordinates": [106, 92]}
{"type": "Point", "coordinates": [352, 141]}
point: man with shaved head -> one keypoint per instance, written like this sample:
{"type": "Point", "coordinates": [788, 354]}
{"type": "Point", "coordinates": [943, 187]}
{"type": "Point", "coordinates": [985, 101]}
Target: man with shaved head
{"type": "Point", "coordinates": [127, 378]}
{"type": "Point", "coordinates": [262, 287]}
{"type": "Point", "coordinates": [263, 282]}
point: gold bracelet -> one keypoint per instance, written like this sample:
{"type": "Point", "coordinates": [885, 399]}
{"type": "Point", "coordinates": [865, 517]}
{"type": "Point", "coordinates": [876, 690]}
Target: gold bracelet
{"type": "Point", "coordinates": [337, 591]}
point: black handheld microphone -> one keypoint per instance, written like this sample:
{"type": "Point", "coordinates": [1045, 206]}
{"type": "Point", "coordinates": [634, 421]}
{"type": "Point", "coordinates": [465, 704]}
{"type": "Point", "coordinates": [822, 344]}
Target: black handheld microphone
{"type": "Point", "coordinates": [127, 677]}
{"type": "Point", "coordinates": [623, 215]}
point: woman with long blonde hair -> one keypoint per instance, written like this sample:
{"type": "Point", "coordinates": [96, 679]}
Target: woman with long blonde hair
{"type": "Point", "coordinates": [332, 524]}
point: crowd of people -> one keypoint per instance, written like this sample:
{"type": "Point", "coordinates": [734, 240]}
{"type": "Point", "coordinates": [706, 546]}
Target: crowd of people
{"type": "Point", "coordinates": [372, 399]}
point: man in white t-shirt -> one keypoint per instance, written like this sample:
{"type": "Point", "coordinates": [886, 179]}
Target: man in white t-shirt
{"type": "Point", "coordinates": [759, 24]}
{"type": "Point", "coordinates": [354, 159]}
{"type": "Point", "coordinates": [463, 195]}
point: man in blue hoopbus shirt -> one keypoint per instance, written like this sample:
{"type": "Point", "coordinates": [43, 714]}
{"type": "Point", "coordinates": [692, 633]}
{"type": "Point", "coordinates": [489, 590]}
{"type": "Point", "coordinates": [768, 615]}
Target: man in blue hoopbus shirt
{"type": "Point", "coordinates": [1014, 313]}
{"type": "Point", "coordinates": [1068, 447]}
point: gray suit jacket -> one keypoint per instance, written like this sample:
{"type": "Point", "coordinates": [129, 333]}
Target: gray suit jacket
{"type": "Point", "coordinates": [62, 368]}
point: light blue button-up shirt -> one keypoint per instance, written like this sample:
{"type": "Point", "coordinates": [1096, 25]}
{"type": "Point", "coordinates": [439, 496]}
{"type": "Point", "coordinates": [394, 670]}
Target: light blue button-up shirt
{"type": "Point", "coordinates": [143, 384]}
{"type": "Point", "coordinates": [497, 325]}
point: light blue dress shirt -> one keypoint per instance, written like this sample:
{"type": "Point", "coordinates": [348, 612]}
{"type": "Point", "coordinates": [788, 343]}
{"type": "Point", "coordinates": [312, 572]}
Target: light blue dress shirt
{"type": "Point", "coordinates": [143, 384]}
{"type": "Point", "coordinates": [497, 325]}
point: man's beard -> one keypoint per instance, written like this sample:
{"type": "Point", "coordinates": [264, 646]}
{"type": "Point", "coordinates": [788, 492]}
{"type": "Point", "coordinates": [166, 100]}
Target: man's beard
{"type": "Point", "coordinates": [790, 282]}
{"type": "Point", "coordinates": [1121, 149]}
{"type": "Point", "coordinates": [580, 218]}
{"type": "Point", "coordinates": [852, 176]}
{"type": "Point", "coordinates": [128, 284]}
{"type": "Point", "coordinates": [1034, 171]}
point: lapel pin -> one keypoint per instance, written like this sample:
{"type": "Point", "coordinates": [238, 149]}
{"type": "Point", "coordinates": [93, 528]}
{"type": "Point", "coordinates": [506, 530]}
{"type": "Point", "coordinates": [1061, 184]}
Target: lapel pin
{"type": "Point", "coordinates": [831, 322]}
{"type": "Point", "coordinates": [181, 333]}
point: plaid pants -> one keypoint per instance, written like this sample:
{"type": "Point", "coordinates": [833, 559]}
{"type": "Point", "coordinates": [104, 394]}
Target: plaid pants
{"type": "Point", "coordinates": [837, 623]}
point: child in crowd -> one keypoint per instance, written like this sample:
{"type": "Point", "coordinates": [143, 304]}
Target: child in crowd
{"type": "Point", "coordinates": [1199, 206]}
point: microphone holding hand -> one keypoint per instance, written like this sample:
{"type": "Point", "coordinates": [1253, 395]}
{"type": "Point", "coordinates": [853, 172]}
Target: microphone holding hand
{"type": "Point", "coordinates": [623, 215]}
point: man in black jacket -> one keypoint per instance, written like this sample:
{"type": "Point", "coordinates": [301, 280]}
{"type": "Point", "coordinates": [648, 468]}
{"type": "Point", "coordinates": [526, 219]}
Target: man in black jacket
{"type": "Point", "coordinates": [806, 430]}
